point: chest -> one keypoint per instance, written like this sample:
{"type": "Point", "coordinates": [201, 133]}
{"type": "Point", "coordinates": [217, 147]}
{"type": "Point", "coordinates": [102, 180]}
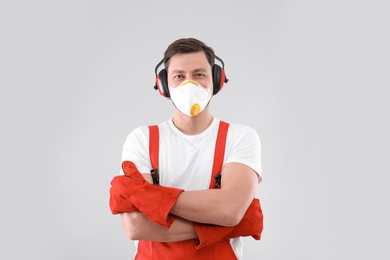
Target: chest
{"type": "Point", "coordinates": [186, 163]}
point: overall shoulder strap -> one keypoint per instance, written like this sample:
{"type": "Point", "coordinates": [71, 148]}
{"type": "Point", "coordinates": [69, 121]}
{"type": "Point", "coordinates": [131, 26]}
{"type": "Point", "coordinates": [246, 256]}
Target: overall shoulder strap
{"type": "Point", "coordinates": [219, 155]}
{"type": "Point", "coordinates": [154, 143]}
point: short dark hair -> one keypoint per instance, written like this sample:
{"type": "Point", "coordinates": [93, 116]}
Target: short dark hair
{"type": "Point", "coordinates": [188, 45]}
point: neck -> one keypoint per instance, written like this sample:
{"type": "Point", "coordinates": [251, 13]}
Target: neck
{"type": "Point", "coordinates": [193, 125]}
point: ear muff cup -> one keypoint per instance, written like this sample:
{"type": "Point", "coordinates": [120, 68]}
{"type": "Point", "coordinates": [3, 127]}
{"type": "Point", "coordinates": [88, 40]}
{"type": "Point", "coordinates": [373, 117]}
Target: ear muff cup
{"type": "Point", "coordinates": [162, 83]}
{"type": "Point", "coordinates": [219, 78]}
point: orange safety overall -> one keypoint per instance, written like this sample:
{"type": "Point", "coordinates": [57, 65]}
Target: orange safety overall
{"type": "Point", "coordinates": [150, 250]}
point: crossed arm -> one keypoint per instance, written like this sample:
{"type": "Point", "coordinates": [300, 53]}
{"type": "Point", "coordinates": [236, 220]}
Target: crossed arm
{"type": "Point", "coordinates": [223, 207]}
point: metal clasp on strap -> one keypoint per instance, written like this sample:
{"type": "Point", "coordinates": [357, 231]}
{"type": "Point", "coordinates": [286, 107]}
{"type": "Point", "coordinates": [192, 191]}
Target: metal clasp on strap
{"type": "Point", "coordinates": [217, 184]}
{"type": "Point", "coordinates": [155, 176]}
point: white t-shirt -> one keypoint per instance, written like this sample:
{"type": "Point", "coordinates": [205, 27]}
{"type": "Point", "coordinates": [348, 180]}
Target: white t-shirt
{"type": "Point", "coordinates": [186, 161]}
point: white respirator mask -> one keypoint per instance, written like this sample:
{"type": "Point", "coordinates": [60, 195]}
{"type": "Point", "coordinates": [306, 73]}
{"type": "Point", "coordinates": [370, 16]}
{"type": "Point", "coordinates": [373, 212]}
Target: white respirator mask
{"type": "Point", "coordinates": [190, 97]}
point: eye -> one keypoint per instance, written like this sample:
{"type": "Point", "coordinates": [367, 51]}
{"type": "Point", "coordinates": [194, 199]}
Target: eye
{"type": "Point", "coordinates": [200, 75]}
{"type": "Point", "coordinates": [178, 76]}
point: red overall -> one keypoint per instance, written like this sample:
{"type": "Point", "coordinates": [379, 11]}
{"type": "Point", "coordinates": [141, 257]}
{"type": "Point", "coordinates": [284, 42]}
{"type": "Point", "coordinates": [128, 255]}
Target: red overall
{"type": "Point", "coordinates": [150, 250]}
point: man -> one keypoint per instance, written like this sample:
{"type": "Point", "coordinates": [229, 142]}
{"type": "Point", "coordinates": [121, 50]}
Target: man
{"type": "Point", "coordinates": [184, 216]}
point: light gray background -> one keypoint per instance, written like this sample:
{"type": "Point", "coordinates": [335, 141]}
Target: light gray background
{"type": "Point", "coordinates": [312, 77]}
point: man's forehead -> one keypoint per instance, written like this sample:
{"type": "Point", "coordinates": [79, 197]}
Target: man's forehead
{"type": "Point", "coordinates": [192, 61]}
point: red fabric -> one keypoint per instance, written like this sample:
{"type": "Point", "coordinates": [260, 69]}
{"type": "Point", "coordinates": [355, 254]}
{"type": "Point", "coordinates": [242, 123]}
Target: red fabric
{"type": "Point", "coordinates": [219, 152]}
{"type": "Point", "coordinates": [131, 191]}
{"type": "Point", "coordinates": [149, 250]}
{"type": "Point", "coordinates": [154, 145]}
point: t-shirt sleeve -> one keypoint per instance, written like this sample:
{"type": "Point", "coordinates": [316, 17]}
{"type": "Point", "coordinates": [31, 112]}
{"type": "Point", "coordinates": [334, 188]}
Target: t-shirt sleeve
{"type": "Point", "coordinates": [136, 149]}
{"type": "Point", "coordinates": [244, 147]}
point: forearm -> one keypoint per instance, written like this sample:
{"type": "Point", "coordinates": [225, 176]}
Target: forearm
{"type": "Point", "coordinates": [139, 227]}
{"type": "Point", "coordinates": [210, 206]}
{"type": "Point", "coordinates": [225, 206]}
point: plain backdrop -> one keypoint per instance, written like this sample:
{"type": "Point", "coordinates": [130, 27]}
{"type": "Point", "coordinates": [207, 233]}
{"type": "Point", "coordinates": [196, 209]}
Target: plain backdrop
{"type": "Point", "coordinates": [312, 77]}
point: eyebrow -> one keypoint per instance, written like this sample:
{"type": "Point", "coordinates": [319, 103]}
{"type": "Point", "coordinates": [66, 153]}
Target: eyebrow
{"type": "Point", "coordinates": [182, 71]}
{"type": "Point", "coordinates": [200, 70]}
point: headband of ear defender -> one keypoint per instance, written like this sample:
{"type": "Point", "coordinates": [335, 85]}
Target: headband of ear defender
{"type": "Point", "coordinates": [219, 78]}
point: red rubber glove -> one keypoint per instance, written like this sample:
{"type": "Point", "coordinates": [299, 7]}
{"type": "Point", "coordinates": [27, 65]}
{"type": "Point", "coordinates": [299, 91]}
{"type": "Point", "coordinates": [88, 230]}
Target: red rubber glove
{"type": "Point", "coordinates": [131, 191]}
{"type": "Point", "coordinates": [250, 225]}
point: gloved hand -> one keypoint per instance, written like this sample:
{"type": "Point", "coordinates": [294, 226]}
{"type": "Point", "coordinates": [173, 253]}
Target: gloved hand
{"type": "Point", "coordinates": [250, 225]}
{"type": "Point", "coordinates": [118, 202]}
{"type": "Point", "coordinates": [131, 191]}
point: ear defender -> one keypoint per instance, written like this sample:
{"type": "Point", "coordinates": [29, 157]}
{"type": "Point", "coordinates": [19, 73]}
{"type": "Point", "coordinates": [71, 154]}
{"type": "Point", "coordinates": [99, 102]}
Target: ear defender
{"type": "Point", "coordinates": [162, 81]}
{"type": "Point", "coordinates": [218, 73]}
{"type": "Point", "coordinates": [219, 77]}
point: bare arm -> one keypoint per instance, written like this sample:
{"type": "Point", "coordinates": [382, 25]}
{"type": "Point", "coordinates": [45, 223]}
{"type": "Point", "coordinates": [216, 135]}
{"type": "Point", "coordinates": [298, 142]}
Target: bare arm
{"type": "Point", "coordinates": [138, 227]}
{"type": "Point", "coordinates": [225, 206]}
